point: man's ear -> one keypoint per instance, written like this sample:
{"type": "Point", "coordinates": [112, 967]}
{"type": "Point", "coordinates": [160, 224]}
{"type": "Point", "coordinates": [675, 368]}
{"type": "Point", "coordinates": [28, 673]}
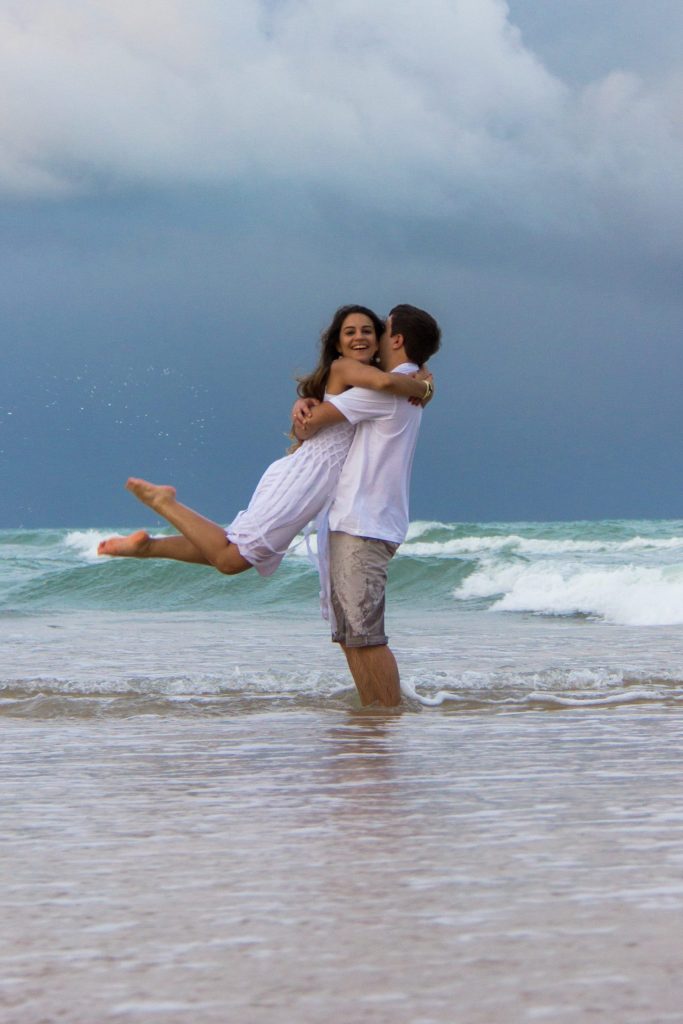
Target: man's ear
{"type": "Point", "coordinates": [396, 341]}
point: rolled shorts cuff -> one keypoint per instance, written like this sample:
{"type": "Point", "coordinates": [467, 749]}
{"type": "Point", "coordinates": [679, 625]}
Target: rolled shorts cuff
{"type": "Point", "coordinates": [360, 641]}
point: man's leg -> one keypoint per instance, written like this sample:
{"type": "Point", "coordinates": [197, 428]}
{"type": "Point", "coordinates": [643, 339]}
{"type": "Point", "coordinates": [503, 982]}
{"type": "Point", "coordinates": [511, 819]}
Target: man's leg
{"type": "Point", "coordinates": [358, 576]}
{"type": "Point", "coordinates": [375, 674]}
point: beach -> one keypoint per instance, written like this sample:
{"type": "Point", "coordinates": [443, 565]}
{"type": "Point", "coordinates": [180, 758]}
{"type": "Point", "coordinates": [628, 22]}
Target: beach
{"type": "Point", "coordinates": [204, 206]}
{"type": "Point", "coordinates": [200, 822]}
{"type": "Point", "coordinates": [347, 865]}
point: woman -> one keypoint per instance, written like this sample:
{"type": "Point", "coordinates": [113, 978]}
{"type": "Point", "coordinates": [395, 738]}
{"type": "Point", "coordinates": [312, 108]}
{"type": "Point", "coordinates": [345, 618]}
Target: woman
{"type": "Point", "coordinates": [294, 489]}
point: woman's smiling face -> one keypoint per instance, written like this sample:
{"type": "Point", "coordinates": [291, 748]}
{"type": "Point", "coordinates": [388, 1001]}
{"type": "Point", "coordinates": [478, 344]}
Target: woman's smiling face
{"type": "Point", "coordinates": [357, 338]}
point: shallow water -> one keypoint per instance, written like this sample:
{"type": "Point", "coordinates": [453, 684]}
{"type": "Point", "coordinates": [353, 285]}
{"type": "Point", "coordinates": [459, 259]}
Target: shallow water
{"type": "Point", "coordinates": [303, 864]}
{"type": "Point", "coordinates": [93, 664]}
{"type": "Point", "coordinates": [200, 824]}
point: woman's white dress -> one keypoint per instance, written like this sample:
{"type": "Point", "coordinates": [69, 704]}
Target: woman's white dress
{"type": "Point", "coordinates": [291, 493]}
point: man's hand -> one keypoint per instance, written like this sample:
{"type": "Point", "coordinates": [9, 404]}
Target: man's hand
{"type": "Point", "coordinates": [301, 411]}
{"type": "Point", "coordinates": [423, 374]}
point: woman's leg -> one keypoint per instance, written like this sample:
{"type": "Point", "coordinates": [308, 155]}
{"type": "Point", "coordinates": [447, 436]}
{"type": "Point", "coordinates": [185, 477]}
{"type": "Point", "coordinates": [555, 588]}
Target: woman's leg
{"type": "Point", "coordinates": [206, 542]}
{"type": "Point", "coordinates": [141, 545]}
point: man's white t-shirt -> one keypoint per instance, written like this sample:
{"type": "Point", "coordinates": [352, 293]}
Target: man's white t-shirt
{"type": "Point", "coordinates": [371, 499]}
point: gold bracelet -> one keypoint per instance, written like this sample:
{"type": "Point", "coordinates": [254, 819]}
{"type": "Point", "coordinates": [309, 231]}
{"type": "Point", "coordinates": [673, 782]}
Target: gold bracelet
{"type": "Point", "coordinates": [429, 390]}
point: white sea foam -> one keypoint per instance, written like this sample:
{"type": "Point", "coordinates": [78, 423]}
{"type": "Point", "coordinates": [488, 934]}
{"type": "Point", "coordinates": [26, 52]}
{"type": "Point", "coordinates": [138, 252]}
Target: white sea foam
{"type": "Point", "coordinates": [496, 688]}
{"type": "Point", "coordinates": [629, 595]}
{"type": "Point", "coordinates": [516, 544]}
{"type": "Point", "coordinates": [421, 526]}
{"type": "Point", "coordinates": [564, 687]}
{"type": "Point", "coordinates": [84, 542]}
{"type": "Point", "coordinates": [624, 573]}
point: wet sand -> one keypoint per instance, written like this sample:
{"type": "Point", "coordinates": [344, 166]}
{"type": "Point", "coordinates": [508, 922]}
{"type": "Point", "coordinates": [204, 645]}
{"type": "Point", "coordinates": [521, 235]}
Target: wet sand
{"type": "Point", "coordinates": [315, 865]}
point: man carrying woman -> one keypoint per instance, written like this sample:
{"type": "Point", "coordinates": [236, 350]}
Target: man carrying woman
{"type": "Point", "coordinates": [368, 518]}
{"type": "Point", "coordinates": [295, 489]}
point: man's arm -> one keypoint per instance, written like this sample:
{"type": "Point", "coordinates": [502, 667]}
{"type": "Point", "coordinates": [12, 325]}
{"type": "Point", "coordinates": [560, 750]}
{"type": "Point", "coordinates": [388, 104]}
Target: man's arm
{"type": "Point", "coordinates": [323, 415]}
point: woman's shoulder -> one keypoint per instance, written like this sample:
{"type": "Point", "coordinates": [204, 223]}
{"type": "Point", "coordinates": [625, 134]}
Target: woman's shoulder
{"type": "Point", "coordinates": [336, 379]}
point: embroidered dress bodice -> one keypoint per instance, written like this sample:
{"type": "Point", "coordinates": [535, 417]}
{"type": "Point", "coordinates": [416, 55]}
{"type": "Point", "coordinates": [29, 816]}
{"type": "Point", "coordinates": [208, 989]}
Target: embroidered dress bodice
{"type": "Point", "coordinates": [290, 494]}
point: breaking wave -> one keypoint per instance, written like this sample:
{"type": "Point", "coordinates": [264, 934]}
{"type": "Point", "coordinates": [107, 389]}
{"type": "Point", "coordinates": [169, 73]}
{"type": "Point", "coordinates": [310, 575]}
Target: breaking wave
{"type": "Point", "coordinates": [624, 572]}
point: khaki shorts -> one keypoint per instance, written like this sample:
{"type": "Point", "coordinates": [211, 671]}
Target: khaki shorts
{"type": "Point", "coordinates": [358, 578]}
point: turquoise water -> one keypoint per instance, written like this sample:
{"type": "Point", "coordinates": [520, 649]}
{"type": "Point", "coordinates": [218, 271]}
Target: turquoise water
{"type": "Point", "coordinates": [200, 823]}
{"type": "Point", "coordinates": [480, 615]}
{"type": "Point", "coordinates": [619, 571]}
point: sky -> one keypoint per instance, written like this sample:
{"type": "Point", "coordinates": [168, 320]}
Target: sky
{"type": "Point", "coordinates": [188, 190]}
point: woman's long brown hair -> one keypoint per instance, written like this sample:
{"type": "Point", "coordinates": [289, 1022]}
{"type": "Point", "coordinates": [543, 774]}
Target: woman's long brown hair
{"type": "Point", "coordinates": [314, 384]}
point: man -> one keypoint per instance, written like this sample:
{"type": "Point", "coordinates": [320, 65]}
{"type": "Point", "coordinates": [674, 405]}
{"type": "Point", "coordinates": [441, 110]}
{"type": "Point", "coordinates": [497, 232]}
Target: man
{"type": "Point", "coordinates": [369, 515]}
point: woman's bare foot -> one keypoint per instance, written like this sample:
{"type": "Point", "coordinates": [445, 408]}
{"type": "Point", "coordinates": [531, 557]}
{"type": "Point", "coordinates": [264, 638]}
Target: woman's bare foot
{"type": "Point", "coordinates": [135, 545]}
{"type": "Point", "coordinates": [157, 496]}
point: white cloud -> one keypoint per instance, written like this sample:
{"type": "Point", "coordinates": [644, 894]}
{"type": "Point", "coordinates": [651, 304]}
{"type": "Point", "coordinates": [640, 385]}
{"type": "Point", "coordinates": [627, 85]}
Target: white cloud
{"type": "Point", "coordinates": [432, 103]}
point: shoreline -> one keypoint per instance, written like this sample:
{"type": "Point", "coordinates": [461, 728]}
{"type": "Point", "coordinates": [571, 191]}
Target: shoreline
{"type": "Point", "coordinates": [375, 867]}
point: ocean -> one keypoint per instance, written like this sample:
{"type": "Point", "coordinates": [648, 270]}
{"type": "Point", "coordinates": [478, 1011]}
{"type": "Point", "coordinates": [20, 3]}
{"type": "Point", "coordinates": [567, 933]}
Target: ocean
{"type": "Point", "coordinates": [200, 822]}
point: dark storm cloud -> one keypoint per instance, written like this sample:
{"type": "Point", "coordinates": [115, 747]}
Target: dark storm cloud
{"type": "Point", "coordinates": [442, 108]}
{"type": "Point", "coordinates": [189, 190]}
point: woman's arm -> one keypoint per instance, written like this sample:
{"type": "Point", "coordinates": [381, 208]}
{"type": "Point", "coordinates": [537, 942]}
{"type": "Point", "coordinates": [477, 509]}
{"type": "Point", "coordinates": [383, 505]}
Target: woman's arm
{"type": "Point", "coordinates": [301, 410]}
{"type": "Point", "coordinates": [347, 373]}
{"type": "Point", "coordinates": [322, 415]}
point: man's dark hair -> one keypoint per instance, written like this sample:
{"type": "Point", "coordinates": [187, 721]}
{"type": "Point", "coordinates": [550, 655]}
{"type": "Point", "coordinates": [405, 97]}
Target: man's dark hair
{"type": "Point", "coordinates": [421, 333]}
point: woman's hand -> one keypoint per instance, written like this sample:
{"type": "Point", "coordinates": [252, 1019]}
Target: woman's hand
{"type": "Point", "coordinates": [423, 374]}
{"type": "Point", "coordinates": [301, 410]}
